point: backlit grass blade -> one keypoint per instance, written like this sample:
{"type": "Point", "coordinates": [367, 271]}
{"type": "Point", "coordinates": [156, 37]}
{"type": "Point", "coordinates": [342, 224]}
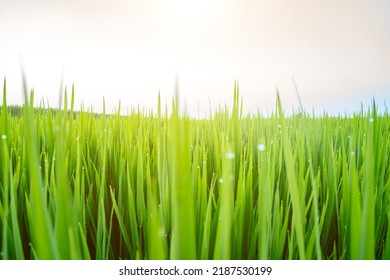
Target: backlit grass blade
{"type": "Point", "coordinates": [293, 188]}
{"type": "Point", "coordinates": [9, 190]}
{"type": "Point", "coordinates": [183, 241]}
{"type": "Point", "coordinates": [43, 241]}
{"type": "Point", "coordinates": [223, 239]}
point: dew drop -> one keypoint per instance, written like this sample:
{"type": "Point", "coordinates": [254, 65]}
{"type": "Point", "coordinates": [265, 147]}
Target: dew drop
{"type": "Point", "coordinates": [230, 155]}
{"type": "Point", "coordinates": [161, 232]}
{"type": "Point", "coordinates": [3, 136]}
{"type": "Point", "coordinates": [220, 180]}
{"type": "Point", "coordinates": [261, 147]}
{"type": "Point", "coordinates": [371, 120]}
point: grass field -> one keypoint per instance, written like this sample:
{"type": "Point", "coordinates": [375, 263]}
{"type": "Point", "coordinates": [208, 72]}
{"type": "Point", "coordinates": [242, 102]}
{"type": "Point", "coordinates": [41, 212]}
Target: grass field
{"type": "Point", "coordinates": [153, 185]}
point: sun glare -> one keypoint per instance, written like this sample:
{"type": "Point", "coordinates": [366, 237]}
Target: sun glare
{"type": "Point", "coordinates": [189, 7]}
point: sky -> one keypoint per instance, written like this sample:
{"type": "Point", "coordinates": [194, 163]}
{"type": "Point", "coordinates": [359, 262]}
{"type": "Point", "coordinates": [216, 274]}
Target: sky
{"type": "Point", "coordinates": [337, 51]}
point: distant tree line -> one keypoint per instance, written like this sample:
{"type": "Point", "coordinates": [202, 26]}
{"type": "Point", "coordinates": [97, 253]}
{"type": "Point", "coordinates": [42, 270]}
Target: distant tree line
{"type": "Point", "coordinates": [17, 111]}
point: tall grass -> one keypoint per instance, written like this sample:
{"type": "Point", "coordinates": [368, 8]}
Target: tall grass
{"type": "Point", "coordinates": [166, 186]}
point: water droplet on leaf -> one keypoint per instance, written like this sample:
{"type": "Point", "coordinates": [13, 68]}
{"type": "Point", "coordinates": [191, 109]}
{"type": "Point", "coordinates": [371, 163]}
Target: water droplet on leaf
{"type": "Point", "coordinates": [230, 155]}
{"type": "Point", "coordinates": [261, 147]}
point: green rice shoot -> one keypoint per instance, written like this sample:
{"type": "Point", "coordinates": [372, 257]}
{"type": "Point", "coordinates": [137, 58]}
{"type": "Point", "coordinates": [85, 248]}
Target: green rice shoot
{"type": "Point", "coordinates": [159, 185]}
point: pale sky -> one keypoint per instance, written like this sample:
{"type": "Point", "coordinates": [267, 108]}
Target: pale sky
{"type": "Point", "coordinates": [338, 51]}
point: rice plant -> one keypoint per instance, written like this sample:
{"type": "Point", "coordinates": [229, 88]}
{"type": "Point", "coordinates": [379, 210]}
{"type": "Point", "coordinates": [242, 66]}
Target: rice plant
{"type": "Point", "coordinates": [159, 185]}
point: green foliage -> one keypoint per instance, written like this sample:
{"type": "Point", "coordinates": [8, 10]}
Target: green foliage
{"type": "Point", "coordinates": [143, 186]}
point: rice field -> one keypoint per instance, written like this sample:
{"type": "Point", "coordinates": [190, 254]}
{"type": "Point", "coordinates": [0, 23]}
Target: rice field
{"type": "Point", "coordinates": [159, 185]}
